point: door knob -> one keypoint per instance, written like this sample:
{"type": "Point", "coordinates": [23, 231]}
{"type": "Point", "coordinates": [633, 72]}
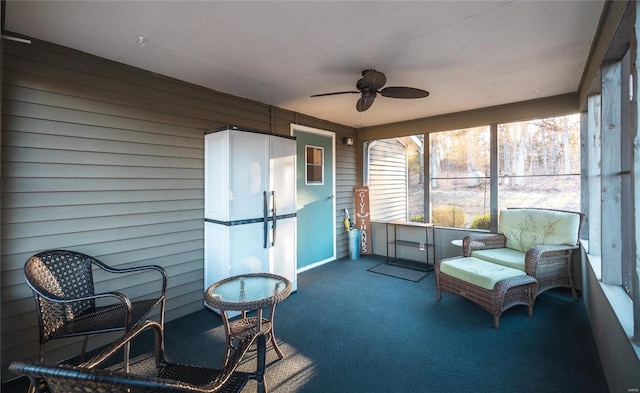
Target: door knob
{"type": "Point", "coordinates": [331, 196]}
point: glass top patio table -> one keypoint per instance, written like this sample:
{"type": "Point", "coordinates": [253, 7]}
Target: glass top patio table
{"type": "Point", "coordinates": [247, 292]}
{"type": "Point", "coordinates": [252, 291]}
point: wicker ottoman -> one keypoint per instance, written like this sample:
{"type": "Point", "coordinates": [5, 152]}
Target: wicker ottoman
{"type": "Point", "coordinates": [496, 289]}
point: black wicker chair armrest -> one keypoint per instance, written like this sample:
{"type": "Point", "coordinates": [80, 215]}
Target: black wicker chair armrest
{"type": "Point", "coordinates": [482, 241]}
{"type": "Point", "coordinates": [70, 378]}
{"type": "Point", "coordinates": [135, 269]}
{"type": "Point", "coordinates": [537, 256]}
{"type": "Point", "coordinates": [126, 302]}
{"type": "Point", "coordinates": [241, 349]}
{"type": "Point", "coordinates": [112, 349]}
{"type": "Point", "coordinates": [122, 298]}
{"type": "Point", "coordinates": [88, 377]}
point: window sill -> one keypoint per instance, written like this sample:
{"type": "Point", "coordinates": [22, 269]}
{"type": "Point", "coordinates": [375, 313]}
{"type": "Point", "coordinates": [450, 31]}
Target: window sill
{"type": "Point", "coordinates": [618, 299]}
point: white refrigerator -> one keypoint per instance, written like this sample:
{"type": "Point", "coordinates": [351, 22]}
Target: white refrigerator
{"type": "Point", "coordinates": [249, 204]}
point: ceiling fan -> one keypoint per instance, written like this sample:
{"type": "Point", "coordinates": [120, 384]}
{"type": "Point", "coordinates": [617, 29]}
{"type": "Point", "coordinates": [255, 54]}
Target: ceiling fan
{"type": "Point", "coordinates": [369, 86]}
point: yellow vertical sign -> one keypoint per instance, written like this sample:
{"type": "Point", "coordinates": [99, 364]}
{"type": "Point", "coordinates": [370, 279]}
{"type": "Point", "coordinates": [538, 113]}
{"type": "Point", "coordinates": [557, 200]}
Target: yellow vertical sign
{"type": "Point", "coordinates": [363, 219]}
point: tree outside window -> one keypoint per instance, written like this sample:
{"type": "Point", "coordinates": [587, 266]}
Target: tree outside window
{"type": "Point", "coordinates": [459, 177]}
{"type": "Point", "coordinates": [538, 166]}
{"type": "Point", "coordinates": [539, 163]}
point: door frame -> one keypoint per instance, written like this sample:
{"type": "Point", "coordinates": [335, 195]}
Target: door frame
{"type": "Point", "coordinates": [332, 135]}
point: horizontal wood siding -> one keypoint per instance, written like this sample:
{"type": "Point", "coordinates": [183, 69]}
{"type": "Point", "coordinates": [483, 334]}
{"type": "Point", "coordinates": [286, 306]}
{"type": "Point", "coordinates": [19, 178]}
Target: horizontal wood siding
{"type": "Point", "coordinates": [388, 180]}
{"type": "Point", "coordinates": [347, 176]}
{"type": "Point", "coordinates": [107, 159]}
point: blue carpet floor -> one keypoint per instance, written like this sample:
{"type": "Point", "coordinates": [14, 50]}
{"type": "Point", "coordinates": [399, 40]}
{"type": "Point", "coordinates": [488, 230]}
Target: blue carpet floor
{"type": "Point", "coordinates": [348, 330]}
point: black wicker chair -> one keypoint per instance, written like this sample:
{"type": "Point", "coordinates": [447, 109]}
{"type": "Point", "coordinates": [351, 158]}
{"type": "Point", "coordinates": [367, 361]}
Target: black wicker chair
{"type": "Point", "coordinates": [63, 287]}
{"type": "Point", "coordinates": [148, 373]}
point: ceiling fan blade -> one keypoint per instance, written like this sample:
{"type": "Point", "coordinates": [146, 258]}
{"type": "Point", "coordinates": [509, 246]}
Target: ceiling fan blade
{"type": "Point", "coordinates": [365, 102]}
{"type": "Point", "coordinates": [373, 80]}
{"type": "Point", "coordinates": [336, 93]}
{"type": "Point", "coordinates": [403, 92]}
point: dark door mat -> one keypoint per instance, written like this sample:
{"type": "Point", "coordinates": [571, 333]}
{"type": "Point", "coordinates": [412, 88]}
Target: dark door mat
{"type": "Point", "coordinates": [407, 264]}
{"type": "Point", "coordinates": [399, 272]}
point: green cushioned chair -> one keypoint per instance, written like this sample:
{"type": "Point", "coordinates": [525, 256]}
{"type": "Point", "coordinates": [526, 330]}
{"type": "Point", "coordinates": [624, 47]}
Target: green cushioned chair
{"type": "Point", "coordinates": [538, 241]}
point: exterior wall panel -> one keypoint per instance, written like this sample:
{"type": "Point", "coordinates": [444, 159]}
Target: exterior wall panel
{"type": "Point", "coordinates": [107, 160]}
{"type": "Point", "coordinates": [388, 181]}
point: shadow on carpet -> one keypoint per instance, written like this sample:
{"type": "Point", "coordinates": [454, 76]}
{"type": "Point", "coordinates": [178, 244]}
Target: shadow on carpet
{"type": "Point", "coordinates": [399, 272]}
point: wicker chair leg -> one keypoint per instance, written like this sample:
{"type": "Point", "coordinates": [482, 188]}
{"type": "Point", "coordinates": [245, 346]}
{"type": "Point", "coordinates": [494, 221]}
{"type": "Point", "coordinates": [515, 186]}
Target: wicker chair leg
{"type": "Point", "coordinates": [84, 348]}
{"type": "Point", "coordinates": [41, 353]}
{"type": "Point", "coordinates": [32, 384]}
{"type": "Point", "coordinates": [127, 351]}
{"type": "Point", "coordinates": [496, 321]}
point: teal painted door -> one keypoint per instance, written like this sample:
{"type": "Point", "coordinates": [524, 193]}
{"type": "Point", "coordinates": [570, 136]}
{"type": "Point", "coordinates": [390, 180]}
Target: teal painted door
{"type": "Point", "coordinates": [315, 196]}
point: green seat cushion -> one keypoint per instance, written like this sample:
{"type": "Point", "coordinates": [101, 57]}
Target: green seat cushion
{"type": "Point", "coordinates": [502, 256]}
{"type": "Point", "coordinates": [478, 272]}
{"type": "Point", "coordinates": [524, 228]}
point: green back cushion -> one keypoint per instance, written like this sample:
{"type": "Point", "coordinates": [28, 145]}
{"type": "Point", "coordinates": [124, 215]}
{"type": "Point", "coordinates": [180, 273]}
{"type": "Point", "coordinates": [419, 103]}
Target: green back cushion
{"type": "Point", "coordinates": [525, 228]}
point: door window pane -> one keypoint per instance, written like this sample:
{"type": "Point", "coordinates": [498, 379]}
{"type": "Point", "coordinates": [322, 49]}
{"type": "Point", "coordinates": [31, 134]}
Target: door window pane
{"type": "Point", "coordinates": [314, 165]}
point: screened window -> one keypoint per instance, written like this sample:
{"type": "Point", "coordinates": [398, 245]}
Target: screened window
{"type": "Point", "coordinates": [459, 177]}
{"type": "Point", "coordinates": [539, 163]}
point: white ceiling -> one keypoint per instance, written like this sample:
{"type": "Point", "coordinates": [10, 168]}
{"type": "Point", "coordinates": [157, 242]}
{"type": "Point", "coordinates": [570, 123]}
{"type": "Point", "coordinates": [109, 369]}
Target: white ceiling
{"type": "Point", "coordinates": [468, 55]}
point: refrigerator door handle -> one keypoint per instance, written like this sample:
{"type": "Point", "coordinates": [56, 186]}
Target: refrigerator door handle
{"type": "Point", "coordinates": [275, 218]}
{"type": "Point", "coordinates": [266, 218]}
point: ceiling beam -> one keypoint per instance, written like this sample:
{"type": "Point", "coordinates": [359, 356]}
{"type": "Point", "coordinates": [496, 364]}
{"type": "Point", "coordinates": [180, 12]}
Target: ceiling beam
{"type": "Point", "coordinates": [610, 43]}
{"type": "Point", "coordinates": [545, 107]}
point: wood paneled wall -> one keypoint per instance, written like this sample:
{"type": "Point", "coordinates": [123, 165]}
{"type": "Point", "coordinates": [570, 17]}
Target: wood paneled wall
{"type": "Point", "coordinates": [107, 159]}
